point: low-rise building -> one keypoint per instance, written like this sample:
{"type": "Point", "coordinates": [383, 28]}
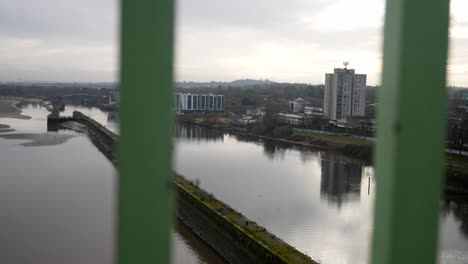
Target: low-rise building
{"type": "Point", "coordinates": [312, 110]}
{"type": "Point", "coordinates": [246, 120]}
{"type": "Point", "coordinates": [257, 112]}
{"type": "Point", "coordinates": [462, 109]}
{"type": "Point", "coordinates": [291, 119]}
{"type": "Point", "coordinates": [296, 105]}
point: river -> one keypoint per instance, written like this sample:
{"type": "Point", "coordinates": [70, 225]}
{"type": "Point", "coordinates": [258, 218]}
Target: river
{"type": "Point", "coordinates": [58, 195]}
{"type": "Point", "coordinates": [320, 202]}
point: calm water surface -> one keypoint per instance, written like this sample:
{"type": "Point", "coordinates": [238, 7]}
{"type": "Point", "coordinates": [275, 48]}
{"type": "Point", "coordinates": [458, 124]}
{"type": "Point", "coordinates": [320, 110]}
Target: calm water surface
{"type": "Point", "coordinates": [319, 201]}
{"type": "Point", "coordinates": [57, 197]}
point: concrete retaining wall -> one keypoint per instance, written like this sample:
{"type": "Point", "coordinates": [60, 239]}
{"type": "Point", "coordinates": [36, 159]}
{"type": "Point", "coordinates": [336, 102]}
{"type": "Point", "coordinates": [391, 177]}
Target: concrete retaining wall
{"type": "Point", "coordinates": [104, 139]}
{"type": "Point", "coordinates": [232, 235]}
{"type": "Point", "coordinates": [96, 126]}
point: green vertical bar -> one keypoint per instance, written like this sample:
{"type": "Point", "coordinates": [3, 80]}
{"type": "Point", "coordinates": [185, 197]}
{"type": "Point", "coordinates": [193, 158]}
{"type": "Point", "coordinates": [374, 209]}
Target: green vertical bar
{"type": "Point", "coordinates": [411, 132]}
{"type": "Point", "coordinates": [145, 202]}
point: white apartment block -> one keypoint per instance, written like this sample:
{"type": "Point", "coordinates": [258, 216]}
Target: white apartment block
{"type": "Point", "coordinates": [345, 94]}
{"type": "Point", "coordinates": [186, 102]}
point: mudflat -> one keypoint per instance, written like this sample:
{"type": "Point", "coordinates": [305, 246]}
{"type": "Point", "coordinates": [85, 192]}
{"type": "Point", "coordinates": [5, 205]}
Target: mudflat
{"type": "Point", "coordinates": [44, 139]}
{"type": "Point", "coordinates": [9, 109]}
{"type": "Point", "coordinates": [5, 128]}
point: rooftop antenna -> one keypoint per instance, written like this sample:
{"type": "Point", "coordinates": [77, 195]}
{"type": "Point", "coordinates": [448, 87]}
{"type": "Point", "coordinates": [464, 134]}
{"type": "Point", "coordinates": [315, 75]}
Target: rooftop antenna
{"type": "Point", "coordinates": [345, 63]}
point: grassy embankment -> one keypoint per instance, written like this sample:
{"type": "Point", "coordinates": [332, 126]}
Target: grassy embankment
{"type": "Point", "coordinates": [359, 148]}
{"type": "Point", "coordinates": [353, 146]}
{"type": "Point", "coordinates": [211, 121]}
{"type": "Point", "coordinates": [456, 165]}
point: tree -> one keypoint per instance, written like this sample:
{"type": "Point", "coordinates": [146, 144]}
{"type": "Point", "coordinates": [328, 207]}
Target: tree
{"type": "Point", "coordinates": [270, 121]}
{"type": "Point", "coordinates": [246, 101]}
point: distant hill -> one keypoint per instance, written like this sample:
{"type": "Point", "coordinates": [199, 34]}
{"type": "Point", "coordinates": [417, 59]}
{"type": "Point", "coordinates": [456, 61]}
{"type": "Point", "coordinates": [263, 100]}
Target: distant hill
{"type": "Point", "coordinates": [212, 84]}
{"type": "Point", "coordinates": [91, 85]}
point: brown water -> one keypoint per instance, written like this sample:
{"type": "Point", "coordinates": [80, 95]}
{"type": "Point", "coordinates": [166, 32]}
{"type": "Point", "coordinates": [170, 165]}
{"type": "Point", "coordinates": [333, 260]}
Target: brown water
{"type": "Point", "coordinates": [57, 195]}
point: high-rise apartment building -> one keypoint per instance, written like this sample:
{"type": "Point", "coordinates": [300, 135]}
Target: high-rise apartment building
{"type": "Point", "coordinates": [345, 94]}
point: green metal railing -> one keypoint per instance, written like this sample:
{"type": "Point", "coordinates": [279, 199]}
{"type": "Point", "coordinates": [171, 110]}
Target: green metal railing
{"type": "Point", "coordinates": [411, 132]}
{"type": "Point", "coordinates": [145, 209]}
{"type": "Point", "coordinates": [409, 156]}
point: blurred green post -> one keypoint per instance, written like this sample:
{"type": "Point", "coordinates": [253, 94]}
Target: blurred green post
{"type": "Point", "coordinates": [145, 192]}
{"type": "Point", "coordinates": [411, 132]}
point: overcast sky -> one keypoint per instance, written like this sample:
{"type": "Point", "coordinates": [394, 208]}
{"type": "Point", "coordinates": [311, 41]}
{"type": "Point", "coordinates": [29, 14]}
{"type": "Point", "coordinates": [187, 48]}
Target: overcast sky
{"type": "Point", "coordinates": [221, 40]}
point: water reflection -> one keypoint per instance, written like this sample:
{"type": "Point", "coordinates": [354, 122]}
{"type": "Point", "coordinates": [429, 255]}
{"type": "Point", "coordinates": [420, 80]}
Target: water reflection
{"type": "Point", "coordinates": [279, 186]}
{"type": "Point", "coordinates": [190, 249]}
{"type": "Point", "coordinates": [341, 179]}
{"type": "Point", "coordinates": [459, 209]}
{"type": "Point", "coordinates": [274, 149]}
{"type": "Point", "coordinates": [198, 133]}
{"type": "Point", "coordinates": [113, 117]}
{"type": "Point", "coordinates": [317, 200]}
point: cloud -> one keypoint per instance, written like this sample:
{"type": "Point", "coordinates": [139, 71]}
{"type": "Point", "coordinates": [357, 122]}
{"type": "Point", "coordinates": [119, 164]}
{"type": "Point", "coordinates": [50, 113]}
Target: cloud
{"type": "Point", "coordinates": [36, 59]}
{"type": "Point", "coordinates": [349, 16]}
{"type": "Point", "coordinates": [59, 19]}
{"type": "Point", "coordinates": [283, 41]}
{"type": "Point", "coordinates": [58, 40]}
{"type": "Point", "coordinates": [293, 41]}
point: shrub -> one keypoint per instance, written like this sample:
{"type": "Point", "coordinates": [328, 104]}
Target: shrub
{"type": "Point", "coordinates": [258, 129]}
{"type": "Point", "coordinates": [297, 138]}
{"type": "Point", "coordinates": [282, 132]}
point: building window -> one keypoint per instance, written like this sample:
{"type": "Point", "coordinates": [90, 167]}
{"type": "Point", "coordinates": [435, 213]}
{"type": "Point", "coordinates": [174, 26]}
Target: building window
{"type": "Point", "coordinates": [203, 102]}
{"type": "Point", "coordinates": [211, 105]}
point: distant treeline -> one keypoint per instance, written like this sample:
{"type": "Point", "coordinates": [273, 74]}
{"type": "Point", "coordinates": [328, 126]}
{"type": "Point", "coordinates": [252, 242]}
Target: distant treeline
{"type": "Point", "coordinates": [274, 93]}
{"type": "Point", "coordinates": [43, 91]}
{"type": "Point", "coordinates": [212, 84]}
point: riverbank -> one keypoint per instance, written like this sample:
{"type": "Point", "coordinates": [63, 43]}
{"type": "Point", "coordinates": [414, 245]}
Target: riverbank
{"type": "Point", "coordinates": [354, 147]}
{"type": "Point", "coordinates": [456, 178]}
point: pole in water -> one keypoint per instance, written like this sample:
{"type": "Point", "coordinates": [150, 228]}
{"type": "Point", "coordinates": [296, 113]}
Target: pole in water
{"type": "Point", "coordinates": [368, 186]}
